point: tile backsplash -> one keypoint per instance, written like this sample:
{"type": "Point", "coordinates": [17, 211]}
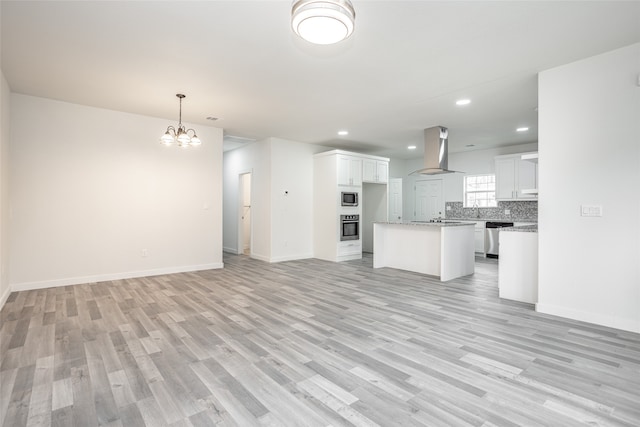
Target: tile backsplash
{"type": "Point", "coordinates": [519, 211]}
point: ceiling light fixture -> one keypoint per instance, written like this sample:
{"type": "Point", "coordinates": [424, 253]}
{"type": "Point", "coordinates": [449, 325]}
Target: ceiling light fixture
{"type": "Point", "coordinates": [180, 135]}
{"type": "Point", "coordinates": [523, 129]}
{"type": "Point", "coordinates": [463, 102]}
{"type": "Point", "coordinates": [343, 132]}
{"type": "Point", "coordinates": [323, 21]}
{"type": "Point", "coordinates": [411, 147]}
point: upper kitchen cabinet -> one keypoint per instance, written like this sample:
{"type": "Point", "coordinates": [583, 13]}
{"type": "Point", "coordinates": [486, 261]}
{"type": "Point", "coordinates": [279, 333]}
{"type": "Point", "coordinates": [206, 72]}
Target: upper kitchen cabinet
{"type": "Point", "coordinates": [376, 171]}
{"type": "Point", "coordinates": [349, 170]}
{"type": "Point", "coordinates": [515, 178]}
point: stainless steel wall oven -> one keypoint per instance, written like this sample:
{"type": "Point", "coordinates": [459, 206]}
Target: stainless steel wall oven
{"type": "Point", "coordinates": [349, 227]}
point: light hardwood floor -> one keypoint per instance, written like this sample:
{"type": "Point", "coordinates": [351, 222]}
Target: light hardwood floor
{"type": "Point", "coordinates": [307, 343]}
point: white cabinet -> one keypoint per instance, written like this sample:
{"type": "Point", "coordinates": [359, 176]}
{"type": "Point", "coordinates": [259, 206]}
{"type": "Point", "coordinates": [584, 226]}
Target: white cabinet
{"type": "Point", "coordinates": [349, 171]}
{"type": "Point", "coordinates": [513, 175]}
{"type": "Point", "coordinates": [518, 266]}
{"type": "Point", "coordinates": [479, 237]}
{"type": "Point", "coordinates": [376, 171]}
{"type": "Point", "coordinates": [333, 172]}
{"type": "Point", "coordinates": [350, 249]}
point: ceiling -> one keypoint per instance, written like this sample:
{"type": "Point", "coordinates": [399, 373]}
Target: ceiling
{"type": "Point", "coordinates": [400, 72]}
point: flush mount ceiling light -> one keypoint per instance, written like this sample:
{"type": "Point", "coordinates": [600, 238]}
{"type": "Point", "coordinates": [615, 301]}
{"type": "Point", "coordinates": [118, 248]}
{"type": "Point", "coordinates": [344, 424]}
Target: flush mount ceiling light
{"type": "Point", "coordinates": [343, 132]}
{"type": "Point", "coordinates": [463, 102]}
{"type": "Point", "coordinates": [323, 21]}
{"type": "Point", "coordinates": [180, 135]}
{"type": "Point", "coordinates": [522, 129]}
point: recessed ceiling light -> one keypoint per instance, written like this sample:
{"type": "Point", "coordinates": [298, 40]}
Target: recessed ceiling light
{"type": "Point", "coordinates": [213, 119]}
{"type": "Point", "coordinates": [463, 102]}
{"type": "Point", "coordinates": [470, 145]}
{"type": "Point", "coordinates": [343, 132]}
{"type": "Point", "coordinates": [411, 147]}
{"type": "Point", "coordinates": [523, 129]}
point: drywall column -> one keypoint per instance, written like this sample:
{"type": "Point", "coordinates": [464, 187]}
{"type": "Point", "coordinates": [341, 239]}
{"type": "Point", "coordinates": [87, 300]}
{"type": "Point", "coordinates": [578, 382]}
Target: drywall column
{"type": "Point", "coordinates": [589, 149]}
{"type": "Point", "coordinates": [5, 100]}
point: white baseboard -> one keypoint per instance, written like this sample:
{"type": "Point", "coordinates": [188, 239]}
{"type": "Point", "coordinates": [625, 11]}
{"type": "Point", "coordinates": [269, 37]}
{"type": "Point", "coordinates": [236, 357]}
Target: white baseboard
{"type": "Point", "coordinates": [230, 250]}
{"type": "Point", "coordinates": [28, 286]}
{"type": "Point", "coordinates": [612, 321]}
{"type": "Point", "coordinates": [260, 257]}
{"type": "Point", "coordinates": [291, 258]}
{"type": "Point", "coordinates": [280, 259]}
{"type": "Point", "coordinates": [5, 296]}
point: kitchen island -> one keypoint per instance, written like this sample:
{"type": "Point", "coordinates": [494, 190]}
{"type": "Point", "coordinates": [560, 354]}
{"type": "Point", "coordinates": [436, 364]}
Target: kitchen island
{"type": "Point", "coordinates": [441, 249]}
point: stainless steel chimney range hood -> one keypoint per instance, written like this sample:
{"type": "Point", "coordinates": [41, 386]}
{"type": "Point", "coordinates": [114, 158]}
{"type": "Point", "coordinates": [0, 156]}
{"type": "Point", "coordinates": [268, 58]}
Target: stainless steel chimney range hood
{"type": "Point", "coordinates": [436, 152]}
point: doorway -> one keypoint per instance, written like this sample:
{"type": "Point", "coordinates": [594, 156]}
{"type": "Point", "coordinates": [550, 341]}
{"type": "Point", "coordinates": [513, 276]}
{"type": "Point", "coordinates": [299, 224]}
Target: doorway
{"type": "Point", "coordinates": [244, 220]}
{"type": "Point", "coordinates": [429, 202]}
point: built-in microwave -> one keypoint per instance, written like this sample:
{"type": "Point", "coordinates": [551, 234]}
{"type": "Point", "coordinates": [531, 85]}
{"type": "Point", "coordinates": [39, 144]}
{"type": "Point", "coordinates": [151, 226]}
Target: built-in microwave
{"type": "Point", "coordinates": [349, 198]}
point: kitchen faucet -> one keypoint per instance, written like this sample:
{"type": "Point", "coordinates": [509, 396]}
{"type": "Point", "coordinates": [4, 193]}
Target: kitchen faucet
{"type": "Point", "coordinates": [477, 208]}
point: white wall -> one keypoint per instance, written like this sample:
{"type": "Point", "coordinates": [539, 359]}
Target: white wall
{"type": "Point", "coordinates": [282, 224]}
{"type": "Point", "coordinates": [374, 208]}
{"type": "Point", "coordinates": [253, 158]}
{"type": "Point", "coordinates": [91, 188]}
{"type": "Point", "coordinates": [590, 154]}
{"type": "Point", "coordinates": [5, 104]}
{"type": "Point", "coordinates": [397, 168]}
{"type": "Point", "coordinates": [292, 213]}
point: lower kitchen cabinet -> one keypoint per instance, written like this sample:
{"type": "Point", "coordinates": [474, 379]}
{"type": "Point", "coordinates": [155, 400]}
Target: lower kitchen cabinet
{"type": "Point", "coordinates": [479, 237]}
{"type": "Point", "coordinates": [518, 266]}
{"type": "Point", "coordinates": [350, 248]}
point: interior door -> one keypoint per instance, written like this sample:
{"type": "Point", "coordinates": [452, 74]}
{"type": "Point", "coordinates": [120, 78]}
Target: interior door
{"type": "Point", "coordinates": [244, 221]}
{"type": "Point", "coordinates": [429, 201]}
{"type": "Point", "coordinates": [395, 199]}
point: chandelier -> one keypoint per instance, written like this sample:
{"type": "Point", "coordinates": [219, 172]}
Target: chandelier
{"type": "Point", "coordinates": [323, 21]}
{"type": "Point", "coordinates": [180, 135]}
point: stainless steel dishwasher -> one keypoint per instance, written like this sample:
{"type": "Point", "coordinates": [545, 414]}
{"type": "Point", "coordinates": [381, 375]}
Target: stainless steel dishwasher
{"type": "Point", "coordinates": [491, 242]}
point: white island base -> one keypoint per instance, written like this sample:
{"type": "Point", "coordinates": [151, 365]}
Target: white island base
{"type": "Point", "coordinates": [445, 250]}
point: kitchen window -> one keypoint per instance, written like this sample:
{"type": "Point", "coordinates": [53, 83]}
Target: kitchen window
{"type": "Point", "coordinates": [480, 190]}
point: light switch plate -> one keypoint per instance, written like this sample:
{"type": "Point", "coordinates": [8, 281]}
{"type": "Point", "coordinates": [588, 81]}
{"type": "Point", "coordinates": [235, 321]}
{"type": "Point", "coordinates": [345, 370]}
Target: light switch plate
{"type": "Point", "coordinates": [590, 210]}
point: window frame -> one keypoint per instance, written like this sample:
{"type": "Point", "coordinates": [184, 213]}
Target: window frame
{"type": "Point", "coordinates": [491, 203]}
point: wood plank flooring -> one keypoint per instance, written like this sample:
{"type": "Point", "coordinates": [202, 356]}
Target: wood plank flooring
{"type": "Point", "coordinates": [307, 343]}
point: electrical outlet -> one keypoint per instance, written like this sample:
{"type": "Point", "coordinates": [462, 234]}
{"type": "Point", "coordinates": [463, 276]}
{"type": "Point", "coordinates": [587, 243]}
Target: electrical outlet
{"type": "Point", "coordinates": [507, 211]}
{"type": "Point", "coordinates": [590, 210]}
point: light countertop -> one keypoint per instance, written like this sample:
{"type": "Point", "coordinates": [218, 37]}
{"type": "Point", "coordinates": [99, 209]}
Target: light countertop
{"type": "Point", "coordinates": [448, 223]}
{"type": "Point", "coordinates": [521, 228]}
{"type": "Point", "coordinates": [494, 220]}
